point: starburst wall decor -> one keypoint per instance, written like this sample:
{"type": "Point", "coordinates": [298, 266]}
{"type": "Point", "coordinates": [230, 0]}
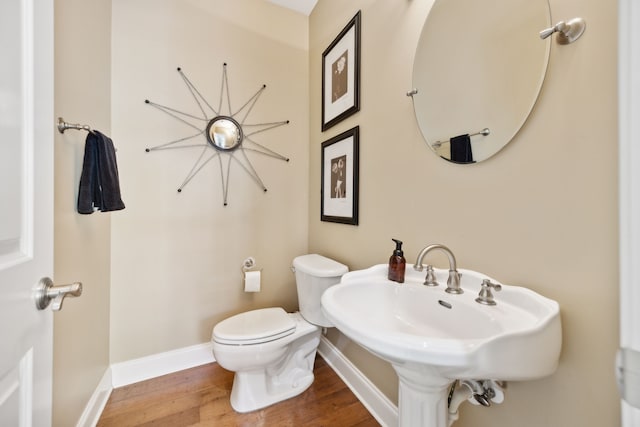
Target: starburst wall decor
{"type": "Point", "coordinates": [225, 134]}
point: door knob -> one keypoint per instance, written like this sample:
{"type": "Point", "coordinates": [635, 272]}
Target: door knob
{"type": "Point", "coordinates": [46, 292]}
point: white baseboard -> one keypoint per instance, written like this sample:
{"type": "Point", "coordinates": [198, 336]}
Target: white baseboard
{"type": "Point", "coordinates": [97, 402]}
{"type": "Point", "coordinates": [156, 365]}
{"type": "Point", "coordinates": [382, 409]}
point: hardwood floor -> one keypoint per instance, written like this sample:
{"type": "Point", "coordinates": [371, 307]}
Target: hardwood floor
{"type": "Point", "coordinates": [200, 397]}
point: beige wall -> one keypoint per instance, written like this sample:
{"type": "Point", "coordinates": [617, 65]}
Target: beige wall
{"type": "Point", "coordinates": [82, 242]}
{"type": "Point", "coordinates": [542, 213]}
{"type": "Point", "coordinates": [177, 257]}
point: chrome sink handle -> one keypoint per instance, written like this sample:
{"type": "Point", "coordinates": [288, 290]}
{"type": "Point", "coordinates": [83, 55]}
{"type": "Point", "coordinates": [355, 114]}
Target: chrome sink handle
{"type": "Point", "coordinates": [486, 296]}
{"type": "Point", "coordinates": [453, 282]}
{"type": "Point", "coordinates": [430, 280]}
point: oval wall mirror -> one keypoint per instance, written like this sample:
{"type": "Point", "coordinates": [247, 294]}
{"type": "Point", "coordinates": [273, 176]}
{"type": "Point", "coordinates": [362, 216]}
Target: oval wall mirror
{"type": "Point", "coordinates": [224, 133]}
{"type": "Point", "coordinates": [478, 70]}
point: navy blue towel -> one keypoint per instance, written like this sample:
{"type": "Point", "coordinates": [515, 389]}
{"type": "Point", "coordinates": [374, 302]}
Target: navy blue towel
{"type": "Point", "coordinates": [461, 149]}
{"type": "Point", "coordinates": [99, 182]}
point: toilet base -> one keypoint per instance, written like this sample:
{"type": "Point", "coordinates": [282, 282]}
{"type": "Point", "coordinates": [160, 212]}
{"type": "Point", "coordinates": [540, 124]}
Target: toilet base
{"type": "Point", "coordinates": [253, 390]}
{"type": "Point", "coordinates": [249, 399]}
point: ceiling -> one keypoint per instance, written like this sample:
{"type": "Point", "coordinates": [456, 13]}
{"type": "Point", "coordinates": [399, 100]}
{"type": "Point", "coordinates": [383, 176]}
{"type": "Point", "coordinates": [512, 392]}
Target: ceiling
{"type": "Point", "coordinates": [301, 6]}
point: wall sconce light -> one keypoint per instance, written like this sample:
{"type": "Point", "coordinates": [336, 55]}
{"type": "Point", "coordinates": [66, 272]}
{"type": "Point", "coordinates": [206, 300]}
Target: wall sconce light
{"type": "Point", "coordinates": [568, 32]}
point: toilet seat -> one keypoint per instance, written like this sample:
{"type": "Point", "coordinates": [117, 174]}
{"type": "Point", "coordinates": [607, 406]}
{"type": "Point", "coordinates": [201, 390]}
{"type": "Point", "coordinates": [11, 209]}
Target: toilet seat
{"type": "Point", "coordinates": [254, 327]}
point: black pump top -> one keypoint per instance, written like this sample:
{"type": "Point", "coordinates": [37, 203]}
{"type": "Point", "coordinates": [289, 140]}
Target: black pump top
{"type": "Point", "coordinates": [398, 251]}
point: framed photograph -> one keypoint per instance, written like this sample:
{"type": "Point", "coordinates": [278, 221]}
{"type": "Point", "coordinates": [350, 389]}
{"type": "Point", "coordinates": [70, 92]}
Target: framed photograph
{"type": "Point", "coordinates": [339, 186]}
{"type": "Point", "coordinates": [341, 75]}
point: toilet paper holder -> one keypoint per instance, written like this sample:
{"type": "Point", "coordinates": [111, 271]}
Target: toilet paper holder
{"type": "Point", "coordinates": [251, 276]}
{"type": "Point", "coordinates": [248, 264]}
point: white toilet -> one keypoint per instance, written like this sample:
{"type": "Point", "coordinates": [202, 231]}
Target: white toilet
{"type": "Point", "coordinates": [271, 351]}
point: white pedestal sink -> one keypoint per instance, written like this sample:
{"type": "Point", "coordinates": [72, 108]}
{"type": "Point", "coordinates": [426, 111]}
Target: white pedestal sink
{"type": "Point", "coordinates": [433, 338]}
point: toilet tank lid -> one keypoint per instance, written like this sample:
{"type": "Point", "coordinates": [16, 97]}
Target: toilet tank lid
{"type": "Point", "coordinates": [319, 266]}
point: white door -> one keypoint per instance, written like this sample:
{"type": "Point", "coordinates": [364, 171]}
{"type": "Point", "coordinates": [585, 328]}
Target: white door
{"type": "Point", "coordinates": [26, 209]}
{"type": "Point", "coordinates": [628, 363]}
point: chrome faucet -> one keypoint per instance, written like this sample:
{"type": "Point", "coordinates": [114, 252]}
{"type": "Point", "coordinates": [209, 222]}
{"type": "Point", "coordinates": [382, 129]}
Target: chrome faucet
{"type": "Point", "coordinates": [453, 282]}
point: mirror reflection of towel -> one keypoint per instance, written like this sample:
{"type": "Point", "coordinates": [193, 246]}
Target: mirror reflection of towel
{"type": "Point", "coordinates": [461, 149]}
{"type": "Point", "coordinates": [99, 182]}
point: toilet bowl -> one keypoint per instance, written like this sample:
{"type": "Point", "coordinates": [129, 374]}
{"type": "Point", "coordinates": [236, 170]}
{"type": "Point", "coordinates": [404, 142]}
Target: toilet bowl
{"type": "Point", "coordinates": [272, 352]}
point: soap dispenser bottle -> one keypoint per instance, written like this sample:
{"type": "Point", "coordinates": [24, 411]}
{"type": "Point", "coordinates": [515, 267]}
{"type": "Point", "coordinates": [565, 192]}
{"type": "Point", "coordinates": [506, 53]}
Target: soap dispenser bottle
{"type": "Point", "coordinates": [397, 263]}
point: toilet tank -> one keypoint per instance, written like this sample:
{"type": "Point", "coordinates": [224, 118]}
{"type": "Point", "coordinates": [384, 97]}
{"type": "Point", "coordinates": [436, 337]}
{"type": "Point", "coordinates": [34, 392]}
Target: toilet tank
{"type": "Point", "coordinates": [314, 275]}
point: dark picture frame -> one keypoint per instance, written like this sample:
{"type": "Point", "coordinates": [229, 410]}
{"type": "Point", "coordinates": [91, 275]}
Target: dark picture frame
{"type": "Point", "coordinates": [341, 75]}
{"type": "Point", "coordinates": [340, 178]}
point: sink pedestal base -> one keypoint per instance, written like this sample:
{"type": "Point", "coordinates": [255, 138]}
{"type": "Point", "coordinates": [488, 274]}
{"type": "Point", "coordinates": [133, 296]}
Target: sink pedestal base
{"type": "Point", "coordinates": [422, 401]}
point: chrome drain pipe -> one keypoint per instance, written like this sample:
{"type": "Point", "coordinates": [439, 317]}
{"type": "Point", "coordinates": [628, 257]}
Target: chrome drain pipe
{"type": "Point", "coordinates": [484, 392]}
